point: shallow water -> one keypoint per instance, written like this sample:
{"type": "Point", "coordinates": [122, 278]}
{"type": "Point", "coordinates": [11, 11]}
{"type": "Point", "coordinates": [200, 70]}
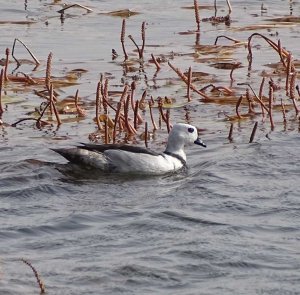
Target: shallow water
{"type": "Point", "coordinates": [227, 225]}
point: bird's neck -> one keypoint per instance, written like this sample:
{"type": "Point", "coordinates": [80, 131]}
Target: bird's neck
{"type": "Point", "coordinates": [176, 148]}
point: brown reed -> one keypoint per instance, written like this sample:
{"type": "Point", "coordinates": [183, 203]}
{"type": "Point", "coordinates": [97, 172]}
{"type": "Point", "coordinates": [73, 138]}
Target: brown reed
{"type": "Point", "coordinates": [168, 120]}
{"type": "Point", "coordinates": [288, 73]}
{"type": "Point", "coordinates": [136, 113]}
{"type": "Point", "coordinates": [29, 51]}
{"type": "Point", "coordinates": [197, 15]}
{"type": "Point", "coordinates": [283, 53]}
{"type": "Point", "coordinates": [271, 99]}
{"type": "Point", "coordinates": [230, 138]}
{"type": "Point", "coordinates": [37, 276]}
{"type": "Point", "coordinates": [7, 52]}
{"type": "Point", "coordinates": [80, 111]}
{"type": "Point", "coordinates": [138, 117]}
{"type": "Point", "coordinates": [283, 112]}
{"type": "Point", "coordinates": [143, 31]}
{"type": "Point", "coordinates": [142, 104]}
{"type": "Point", "coordinates": [151, 115]}
{"type": "Point", "coordinates": [129, 127]}
{"type": "Point", "coordinates": [260, 95]}
{"type": "Point", "coordinates": [234, 67]}
{"type": "Point", "coordinates": [255, 95]}
{"type": "Point", "coordinates": [280, 53]}
{"type": "Point", "coordinates": [250, 102]}
{"type": "Point", "coordinates": [226, 37]}
{"type": "Point", "coordinates": [146, 135]}
{"type": "Point", "coordinates": [158, 67]}
{"type": "Point", "coordinates": [117, 117]}
{"type": "Point", "coordinates": [106, 134]}
{"type": "Point", "coordinates": [238, 103]}
{"type": "Point", "coordinates": [48, 71]}
{"type": "Point", "coordinates": [292, 92]}
{"type": "Point", "coordinates": [137, 47]}
{"type": "Point", "coordinates": [253, 132]}
{"type": "Point", "coordinates": [98, 105]}
{"type": "Point", "coordinates": [190, 74]}
{"type": "Point", "coordinates": [185, 80]}
{"type": "Point", "coordinates": [54, 106]}
{"type": "Point", "coordinates": [1, 85]}
{"type": "Point", "coordinates": [104, 92]}
{"type": "Point", "coordinates": [160, 107]}
{"type": "Point", "coordinates": [123, 39]}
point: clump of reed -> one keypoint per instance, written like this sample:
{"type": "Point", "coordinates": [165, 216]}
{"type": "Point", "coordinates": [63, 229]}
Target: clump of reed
{"type": "Point", "coordinates": [123, 118]}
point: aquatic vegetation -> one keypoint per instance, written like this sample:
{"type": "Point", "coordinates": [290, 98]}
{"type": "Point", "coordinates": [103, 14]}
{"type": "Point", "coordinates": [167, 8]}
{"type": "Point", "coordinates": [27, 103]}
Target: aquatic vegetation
{"type": "Point", "coordinates": [228, 81]}
{"type": "Point", "coordinates": [117, 113]}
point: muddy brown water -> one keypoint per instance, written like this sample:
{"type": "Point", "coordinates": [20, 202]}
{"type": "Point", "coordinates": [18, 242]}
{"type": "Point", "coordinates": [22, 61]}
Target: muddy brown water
{"type": "Point", "coordinates": [227, 225]}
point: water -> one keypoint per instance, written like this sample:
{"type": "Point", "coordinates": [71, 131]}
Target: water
{"type": "Point", "coordinates": [227, 225]}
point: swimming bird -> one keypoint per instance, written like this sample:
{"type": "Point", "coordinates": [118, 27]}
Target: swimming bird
{"type": "Point", "coordinates": [125, 158]}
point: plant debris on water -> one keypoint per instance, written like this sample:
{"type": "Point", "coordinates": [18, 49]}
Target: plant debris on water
{"type": "Point", "coordinates": [248, 80]}
{"type": "Point", "coordinates": [121, 115]}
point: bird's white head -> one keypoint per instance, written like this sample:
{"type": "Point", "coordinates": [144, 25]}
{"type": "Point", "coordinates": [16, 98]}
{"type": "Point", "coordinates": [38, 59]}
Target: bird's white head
{"type": "Point", "coordinates": [180, 135]}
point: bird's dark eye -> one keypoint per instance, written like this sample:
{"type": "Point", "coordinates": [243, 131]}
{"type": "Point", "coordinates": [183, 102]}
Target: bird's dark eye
{"type": "Point", "coordinates": [191, 130]}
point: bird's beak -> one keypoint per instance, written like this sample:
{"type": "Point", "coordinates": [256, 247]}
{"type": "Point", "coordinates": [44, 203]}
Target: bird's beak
{"type": "Point", "coordinates": [199, 142]}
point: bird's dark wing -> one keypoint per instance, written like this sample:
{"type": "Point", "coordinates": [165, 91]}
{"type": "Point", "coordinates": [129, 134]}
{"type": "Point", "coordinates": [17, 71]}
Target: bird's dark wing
{"type": "Point", "coordinates": [129, 148]}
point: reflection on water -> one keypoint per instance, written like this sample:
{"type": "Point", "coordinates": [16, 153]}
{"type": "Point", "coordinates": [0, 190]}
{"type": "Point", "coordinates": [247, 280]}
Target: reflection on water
{"type": "Point", "coordinates": [227, 225]}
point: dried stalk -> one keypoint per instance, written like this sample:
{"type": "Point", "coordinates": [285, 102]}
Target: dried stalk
{"type": "Point", "coordinates": [146, 134]}
{"type": "Point", "coordinates": [106, 127]}
{"type": "Point", "coordinates": [298, 90]}
{"type": "Point", "coordinates": [31, 54]}
{"type": "Point", "coordinates": [138, 117]}
{"type": "Point", "coordinates": [288, 73]}
{"type": "Point", "coordinates": [234, 67]}
{"type": "Point", "coordinates": [168, 120]}
{"type": "Point", "coordinates": [283, 52]}
{"type": "Point", "coordinates": [271, 98]}
{"type": "Point", "coordinates": [136, 110]}
{"type": "Point", "coordinates": [1, 84]}
{"type": "Point", "coordinates": [283, 112]}
{"type": "Point", "coordinates": [160, 108]}
{"type": "Point", "coordinates": [123, 39]}
{"type": "Point", "coordinates": [250, 102]}
{"type": "Point", "coordinates": [237, 107]}
{"type": "Point", "coordinates": [119, 106]}
{"type": "Point", "coordinates": [185, 80]}
{"type": "Point", "coordinates": [48, 71]}
{"type": "Point", "coordinates": [255, 95]}
{"type": "Point", "coordinates": [38, 278]}
{"type": "Point", "coordinates": [151, 115]}
{"type": "Point", "coordinates": [229, 7]}
{"type": "Point", "coordinates": [230, 132]}
{"type": "Point", "coordinates": [280, 53]}
{"type": "Point", "coordinates": [158, 67]}
{"type": "Point", "coordinates": [137, 47]}
{"type": "Point", "coordinates": [197, 16]}
{"type": "Point", "coordinates": [292, 92]}
{"type": "Point", "coordinates": [143, 39]}
{"type": "Point", "coordinates": [190, 74]}
{"type": "Point", "coordinates": [61, 11]}
{"type": "Point", "coordinates": [6, 64]}
{"type": "Point", "coordinates": [260, 95]}
{"type": "Point", "coordinates": [98, 104]}
{"type": "Point", "coordinates": [104, 91]}
{"type": "Point", "coordinates": [129, 127]}
{"type": "Point", "coordinates": [253, 132]}
{"type": "Point", "coordinates": [124, 93]}
{"type": "Point", "coordinates": [226, 37]}
{"type": "Point", "coordinates": [80, 112]}
{"type": "Point", "coordinates": [54, 106]}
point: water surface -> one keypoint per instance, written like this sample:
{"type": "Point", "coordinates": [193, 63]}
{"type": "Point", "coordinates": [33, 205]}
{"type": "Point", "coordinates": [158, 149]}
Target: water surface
{"type": "Point", "coordinates": [227, 225]}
